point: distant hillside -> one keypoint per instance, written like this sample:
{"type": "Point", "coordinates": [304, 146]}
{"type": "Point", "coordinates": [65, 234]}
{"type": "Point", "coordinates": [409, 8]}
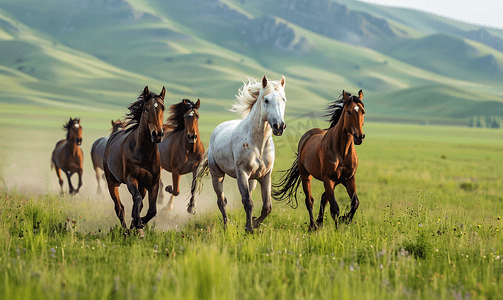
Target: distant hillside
{"type": "Point", "coordinates": [101, 53]}
{"type": "Point", "coordinates": [447, 55]}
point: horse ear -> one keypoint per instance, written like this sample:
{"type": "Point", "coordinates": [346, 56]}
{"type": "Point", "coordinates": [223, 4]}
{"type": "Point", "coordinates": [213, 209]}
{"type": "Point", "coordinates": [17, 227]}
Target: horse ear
{"type": "Point", "coordinates": [360, 94]}
{"type": "Point", "coordinates": [198, 103]}
{"type": "Point", "coordinates": [185, 102]}
{"type": "Point", "coordinates": [282, 81]}
{"type": "Point", "coordinates": [112, 122]}
{"type": "Point", "coordinates": [146, 92]}
{"type": "Point", "coordinates": [163, 93]}
{"type": "Point", "coordinates": [345, 96]}
{"type": "Point", "coordinates": [264, 81]}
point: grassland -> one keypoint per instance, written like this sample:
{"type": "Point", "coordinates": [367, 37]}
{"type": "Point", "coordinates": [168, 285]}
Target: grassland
{"type": "Point", "coordinates": [428, 226]}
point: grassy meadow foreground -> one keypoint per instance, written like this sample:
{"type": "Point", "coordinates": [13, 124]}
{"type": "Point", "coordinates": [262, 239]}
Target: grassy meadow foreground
{"type": "Point", "coordinates": [429, 226]}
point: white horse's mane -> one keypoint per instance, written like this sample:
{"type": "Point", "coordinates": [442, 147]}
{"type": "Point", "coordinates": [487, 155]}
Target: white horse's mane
{"type": "Point", "coordinates": [249, 93]}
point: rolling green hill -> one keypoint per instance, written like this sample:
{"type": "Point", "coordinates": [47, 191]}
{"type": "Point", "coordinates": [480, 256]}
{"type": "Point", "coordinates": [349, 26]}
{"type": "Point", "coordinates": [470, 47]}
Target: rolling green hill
{"type": "Point", "coordinates": [100, 54]}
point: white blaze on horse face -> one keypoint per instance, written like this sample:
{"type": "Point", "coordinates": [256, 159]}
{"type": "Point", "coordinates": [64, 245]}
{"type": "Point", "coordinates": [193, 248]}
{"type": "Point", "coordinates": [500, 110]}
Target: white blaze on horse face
{"type": "Point", "coordinates": [155, 104]}
{"type": "Point", "coordinates": [274, 108]}
{"type": "Point", "coordinates": [191, 114]}
{"type": "Point", "coordinates": [77, 125]}
{"type": "Point", "coordinates": [356, 108]}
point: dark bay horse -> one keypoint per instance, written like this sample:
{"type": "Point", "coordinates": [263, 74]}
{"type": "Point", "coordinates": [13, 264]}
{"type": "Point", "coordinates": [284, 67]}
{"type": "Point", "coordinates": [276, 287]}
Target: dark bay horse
{"type": "Point", "coordinates": [181, 149]}
{"type": "Point", "coordinates": [132, 157]}
{"type": "Point", "coordinates": [67, 155]}
{"type": "Point", "coordinates": [98, 151]}
{"type": "Point", "coordinates": [328, 155]}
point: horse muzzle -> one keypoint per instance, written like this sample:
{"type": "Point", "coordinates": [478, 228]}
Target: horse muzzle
{"type": "Point", "coordinates": [192, 138]}
{"type": "Point", "coordinates": [78, 141]}
{"type": "Point", "coordinates": [277, 129]}
{"type": "Point", "coordinates": [358, 139]}
{"type": "Point", "coordinates": [156, 136]}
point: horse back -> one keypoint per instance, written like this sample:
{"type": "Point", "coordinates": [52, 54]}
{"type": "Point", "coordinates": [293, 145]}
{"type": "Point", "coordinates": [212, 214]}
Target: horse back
{"type": "Point", "coordinates": [98, 152]}
{"type": "Point", "coordinates": [114, 153]}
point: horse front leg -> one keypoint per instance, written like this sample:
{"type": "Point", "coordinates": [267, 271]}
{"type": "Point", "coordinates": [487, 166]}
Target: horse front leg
{"type": "Point", "coordinates": [79, 172]}
{"type": "Point", "coordinates": [323, 204]}
{"type": "Point", "coordinates": [265, 185]}
{"type": "Point", "coordinates": [152, 208]}
{"type": "Point", "coordinates": [355, 203]}
{"type": "Point", "coordinates": [173, 190]}
{"type": "Point", "coordinates": [132, 185]}
{"type": "Point", "coordinates": [70, 185]}
{"type": "Point", "coordinates": [329, 194]}
{"type": "Point", "coordinates": [244, 190]}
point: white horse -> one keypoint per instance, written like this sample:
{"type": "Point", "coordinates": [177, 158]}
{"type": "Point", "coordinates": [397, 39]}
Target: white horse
{"type": "Point", "coordinates": [244, 149]}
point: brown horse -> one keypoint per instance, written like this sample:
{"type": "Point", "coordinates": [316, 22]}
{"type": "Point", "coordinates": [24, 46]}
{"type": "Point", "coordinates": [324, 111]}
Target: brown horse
{"type": "Point", "coordinates": [328, 155]}
{"type": "Point", "coordinates": [132, 157]}
{"type": "Point", "coordinates": [181, 149]}
{"type": "Point", "coordinates": [98, 151]}
{"type": "Point", "coordinates": [67, 155]}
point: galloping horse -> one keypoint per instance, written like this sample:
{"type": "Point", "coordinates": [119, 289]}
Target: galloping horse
{"type": "Point", "coordinates": [67, 155]}
{"type": "Point", "coordinates": [131, 157]}
{"type": "Point", "coordinates": [328, 155]}
{"type": "Point", "coordinates": [181, 149]}
{"type": "Point", "coordinates": [98, 151]}
{"type": "Point", "coordinates": [244, 149]}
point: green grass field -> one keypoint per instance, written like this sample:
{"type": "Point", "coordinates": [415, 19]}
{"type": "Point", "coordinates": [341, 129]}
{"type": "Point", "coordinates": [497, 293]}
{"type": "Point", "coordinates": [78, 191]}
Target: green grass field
{"type": "Point", "coordinates": [429, 224]}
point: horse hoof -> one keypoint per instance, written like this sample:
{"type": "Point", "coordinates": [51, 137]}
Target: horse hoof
{"type": "Point", "coordinates": [191, 209]}
{"type": "Point", "coordinates": [141, 233]}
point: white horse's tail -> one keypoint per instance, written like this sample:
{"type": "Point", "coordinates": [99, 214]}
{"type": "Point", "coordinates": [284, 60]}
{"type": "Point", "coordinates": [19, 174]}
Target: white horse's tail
{"type": "Point", "coordinates": [202, 172]}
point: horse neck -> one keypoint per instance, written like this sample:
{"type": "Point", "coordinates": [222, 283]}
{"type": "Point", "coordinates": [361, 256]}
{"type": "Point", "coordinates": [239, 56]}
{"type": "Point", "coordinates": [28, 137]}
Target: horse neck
{"type": "Point", "coordinates": [142, 137]}
{"type": "Point", "coordinates": [258, 129]}
{"type": "Point", "coordinates": [71, 146]}
{"type": "Point", "coordinates": [339, 140]}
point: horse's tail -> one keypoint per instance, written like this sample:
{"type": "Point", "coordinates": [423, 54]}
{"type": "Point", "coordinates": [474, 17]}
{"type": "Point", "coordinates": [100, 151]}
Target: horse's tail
{"type": "Point", "coordinates": [202, 171]}
{"type": "Point", "coordinates": [288, 185]}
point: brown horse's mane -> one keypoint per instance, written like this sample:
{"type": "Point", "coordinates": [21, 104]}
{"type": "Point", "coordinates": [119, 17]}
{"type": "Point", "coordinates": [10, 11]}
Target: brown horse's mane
{"type": "Point", "coordinates": [175, 121]}
{"type": "Point", "coordinates": [69, 125]}
{"type": "Point", "coordinates": [132, 119]}
{"type": "Point", "coordinates": [334, 111]}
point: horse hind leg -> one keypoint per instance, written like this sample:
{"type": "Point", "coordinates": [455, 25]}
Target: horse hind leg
{"type": "Point", "coordinates": [97, 173]}
{"type": "Point", "coordinates": [217, 179]}
{"type": "Point", "coordinates": [306, 186]}
{"type": "Point", "coordinates": [58, 172]}
{"type": "Point", "coordinates": [160, 194]}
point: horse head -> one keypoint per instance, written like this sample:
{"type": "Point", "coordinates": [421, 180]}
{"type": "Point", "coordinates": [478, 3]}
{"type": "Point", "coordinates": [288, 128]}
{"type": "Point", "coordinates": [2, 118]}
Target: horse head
{"type": "Point", "coordinates": [118, 125]}
{"type": "Point", "coordinates": [153, 114]}
{"type": "Point", "coordinates": [273, 104]}
{"type": "Point", "coordinates": [74, 131]}
{"type": "Point", "coordinates": [353, 116]}
{"type": "Point", "coordinates": [191, 119]}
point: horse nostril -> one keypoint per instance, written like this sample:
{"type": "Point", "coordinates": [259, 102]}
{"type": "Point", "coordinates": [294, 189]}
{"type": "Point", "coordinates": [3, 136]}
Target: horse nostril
{"type": "Point", "coordinates": [195, 136]}
{"type": "Point", "coordinates": [284, 126]}
{"type": "Point", "coordinates": [363, 136]}
{"type": "Point", "coordinates": [275, 126]}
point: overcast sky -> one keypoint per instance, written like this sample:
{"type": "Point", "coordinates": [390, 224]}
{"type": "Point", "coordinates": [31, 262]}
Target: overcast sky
{"type": "Point", "coordinates": [480, 12]}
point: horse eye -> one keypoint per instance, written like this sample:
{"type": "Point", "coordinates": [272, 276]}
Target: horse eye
{"type": "Point", "coordinates": [266, 101]}
{"type": "Point", "coordinates": [349, 112]}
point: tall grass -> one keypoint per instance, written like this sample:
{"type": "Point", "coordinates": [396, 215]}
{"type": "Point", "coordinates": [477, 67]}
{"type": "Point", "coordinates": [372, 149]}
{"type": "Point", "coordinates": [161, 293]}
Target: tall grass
{"type": "Point", "coordinates": [428, 226]}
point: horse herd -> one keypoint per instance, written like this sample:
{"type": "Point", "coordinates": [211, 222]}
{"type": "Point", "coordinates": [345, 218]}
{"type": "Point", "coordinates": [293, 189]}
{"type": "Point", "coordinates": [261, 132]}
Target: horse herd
{"type": "Point", "coordinates": [141, 145]}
